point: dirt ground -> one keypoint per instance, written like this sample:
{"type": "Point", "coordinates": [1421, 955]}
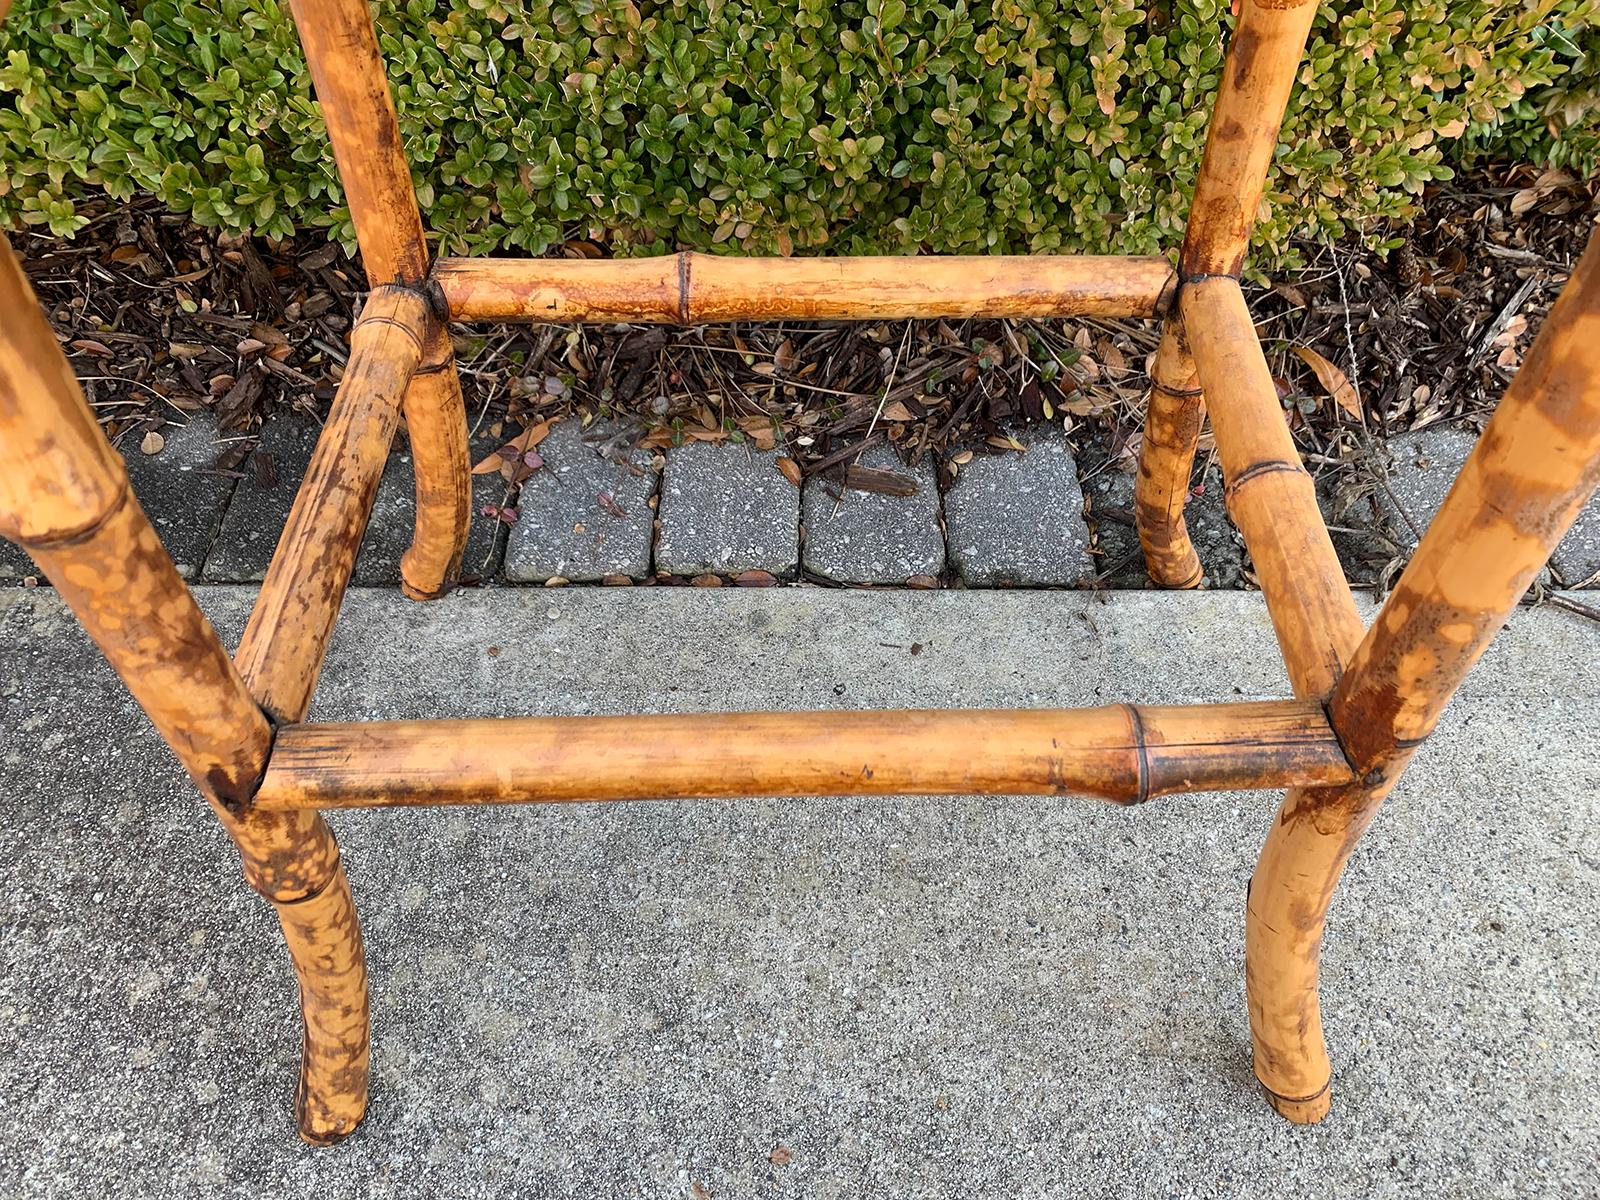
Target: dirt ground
{"type": "Point", "coordinates": [161, 317]}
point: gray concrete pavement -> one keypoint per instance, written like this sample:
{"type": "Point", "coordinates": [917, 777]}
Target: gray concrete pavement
{"type": "Point", "coordinates": [936, 997]}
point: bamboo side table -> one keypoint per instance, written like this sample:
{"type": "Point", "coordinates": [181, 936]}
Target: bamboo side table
{"type": "Point", "coordinates": [1364, 700]}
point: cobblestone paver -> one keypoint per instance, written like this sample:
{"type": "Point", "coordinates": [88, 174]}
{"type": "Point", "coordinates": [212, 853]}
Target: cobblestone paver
{"type": "Point", "coordinates": [726, 509]}
{"type": "Point", "coordinates": [179, 491]}
{"type": "Point", "coordinates": [1018, 518]}
{"type": "Point", "coordinates": [585, 514]}
{"type": "Point", "coordinates": [394, 517]}
{"type": "Point", "coordinates": [855, 536]}
{"type": "Point", "coordinates": [260, 504]}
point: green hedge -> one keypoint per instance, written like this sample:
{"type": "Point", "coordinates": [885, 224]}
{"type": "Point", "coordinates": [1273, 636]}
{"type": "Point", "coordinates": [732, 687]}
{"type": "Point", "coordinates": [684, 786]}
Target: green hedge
{"type": "Point", "coordinates": [780, 125]}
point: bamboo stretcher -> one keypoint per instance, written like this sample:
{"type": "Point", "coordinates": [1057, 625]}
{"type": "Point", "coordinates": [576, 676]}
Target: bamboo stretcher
{"type": "Point", "coordinates": [1364, 700]}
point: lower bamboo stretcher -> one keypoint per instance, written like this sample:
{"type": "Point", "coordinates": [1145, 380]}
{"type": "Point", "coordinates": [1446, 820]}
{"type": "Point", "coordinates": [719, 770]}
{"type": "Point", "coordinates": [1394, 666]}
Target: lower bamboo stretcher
{"type": "Point", "coordinates": [1123, 753]}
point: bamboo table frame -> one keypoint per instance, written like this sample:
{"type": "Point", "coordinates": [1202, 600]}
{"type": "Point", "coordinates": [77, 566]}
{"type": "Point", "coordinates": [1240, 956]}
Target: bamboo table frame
{"type": "Point", "coordinates": [1364, 700]}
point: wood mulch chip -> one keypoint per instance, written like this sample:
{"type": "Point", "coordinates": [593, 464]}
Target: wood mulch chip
{"type": "Point", "coordinates": [160, 318]}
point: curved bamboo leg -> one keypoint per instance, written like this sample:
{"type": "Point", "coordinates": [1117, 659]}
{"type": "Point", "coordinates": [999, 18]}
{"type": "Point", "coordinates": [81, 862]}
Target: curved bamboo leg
{"type": "Point", "coordinates": [1166, 458]}
{"type": "Point", "coordinates": [436, 422]}
{"type": "Point", "coordinates": [1299, 868]}
{"type": "Point", "coordinates": [64, 497]}
{"type": "Point", "coordinates": [324, 940]}
{"type": "Point", "coordinates": [1529, 475]}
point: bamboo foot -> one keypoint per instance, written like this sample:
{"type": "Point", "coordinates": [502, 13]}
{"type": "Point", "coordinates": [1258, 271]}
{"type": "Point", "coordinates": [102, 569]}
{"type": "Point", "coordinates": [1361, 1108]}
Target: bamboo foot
{"type": "Point", "coordinates": [1306, 1111]}
{"type": "Point", "coordinates": [1166, 457]}
{"type": "Point", "coordinates": [324, 941]}
{"type": "Point", "coordinates": [436, 420]}
{"type": "Point", "coordinates": [1304, 854]}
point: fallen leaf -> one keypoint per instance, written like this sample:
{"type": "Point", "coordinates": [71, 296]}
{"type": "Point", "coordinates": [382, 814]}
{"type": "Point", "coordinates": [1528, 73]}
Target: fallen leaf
{"type": "Point", "coordinates": [755, 579]}
{"type": "Point", "coordinates": [883, 483]}
{"type": "Point", "coordinates": [238, 404]}
{"type": "Point", "coordinates": [609, 503]}
{"type": "Point", "coordinates": [791, 470]}
{"type": "Point", "coordinates": [1332, 378]}
{"type": "Point", "coordinates": [898, 412]}
{"type": "Point", "coordinates": [90, 346]}
{"type": "Point", "coordinates": [781, 1156]}
{"type": "Point", "coordinates": [517, 447]}
{"type": "Point", "coordinates": [1515, 328]}
{"type": "Point", "coordinates": [152, 443]}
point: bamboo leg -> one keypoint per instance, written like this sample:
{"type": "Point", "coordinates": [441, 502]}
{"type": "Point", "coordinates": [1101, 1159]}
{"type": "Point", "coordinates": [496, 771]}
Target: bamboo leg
{"type": "Point", "coordinates": [281, 651]}
{"type": "Point", "coordinates": [1271, 497]}
{"type": "Point", "coordinates": [1263, 57]}
{"type": "Point", "coordinates": [64, 497]}
{"type": "Point", "coordinates": [1166, 458]}
{"type": "Point", "coordinates": [436, 422]}
{"type": "Point", "coordinates": [341, 50]}
{"type": "Point", "coordinates": [1531, 472]}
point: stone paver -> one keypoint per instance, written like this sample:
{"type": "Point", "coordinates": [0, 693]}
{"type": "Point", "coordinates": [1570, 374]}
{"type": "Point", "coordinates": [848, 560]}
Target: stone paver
{"type": "Point", "coordinates": [866, 537]}
{"type": "Point", "coordinates": [394, 514]}
{"type": "Point", "coordinates": [260, 504]}
{"type": "Point", "coordinates": [726, 509]}
{"type": "Point", "coordinates": [255, 516]}
{"type": "Point", "coordinates": [1018, 518]}
{"type": "Point", "coordinates": [1424, 465]}
{"type": "Point", "coordinates": [182, 496]}
{"type": "Point", "coordinates": [1111, 512]}
{"type": "Point", "coordinates": [564, 529]}
{"type": "Point", "coordinates": [942, 996]}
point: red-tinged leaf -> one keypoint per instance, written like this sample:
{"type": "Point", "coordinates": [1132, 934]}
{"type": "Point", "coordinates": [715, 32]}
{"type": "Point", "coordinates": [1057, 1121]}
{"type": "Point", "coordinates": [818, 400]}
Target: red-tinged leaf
{"type": "Point", "coordinates": [90, 346]}
{"type": "Point", "coordinates": [755, 579]}
{"type": "Point", "coordinates": [533, 460]}
{"type": "Point", "coordinates": [609, 503]}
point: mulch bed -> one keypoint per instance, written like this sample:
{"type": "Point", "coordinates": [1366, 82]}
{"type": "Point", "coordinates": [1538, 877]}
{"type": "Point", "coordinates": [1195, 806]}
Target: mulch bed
{"type": "Point", "coordinates": [161, 318]}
